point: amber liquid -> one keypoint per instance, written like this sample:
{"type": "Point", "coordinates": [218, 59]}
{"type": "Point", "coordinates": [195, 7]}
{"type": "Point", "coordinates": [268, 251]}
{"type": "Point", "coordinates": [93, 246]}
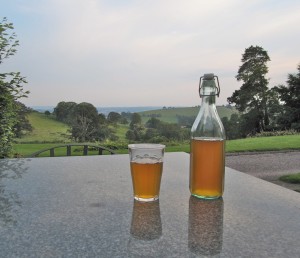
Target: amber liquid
{"type": "Point", "coordinates": [207, 167]}
{"type": "Point", "coordinates": [146, 179]}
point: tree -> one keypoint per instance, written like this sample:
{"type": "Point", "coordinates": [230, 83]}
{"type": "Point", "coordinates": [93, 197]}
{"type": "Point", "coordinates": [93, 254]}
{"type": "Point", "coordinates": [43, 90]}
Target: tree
{"type": "Point", "coordinates": [252, 97]}
{"type": "Point", "coordinates": [114, 117]}
{"type": "Point", "coordinates": [290, 96]}
{"type": "Point", "coordinates": [102, 118]}
{"type": "Point", "coordinates": [135, 120]}
{"type": "Point", "coordinates": [85, 122]}
{"type": "Point", "coordinates": [232, 126]}
{"type": "Point", "coordinates": [130, 135]}
{"type": "Point", "coordinates": [11, 89]}
{"type": "Point", "coordinates": [153, 123]}
{"type": "Point", "coordinates": [64, 111]}
{"type": "Point", "coordinates": [22, 126]}
{"type": "Point", "coordinates": [47, 113]}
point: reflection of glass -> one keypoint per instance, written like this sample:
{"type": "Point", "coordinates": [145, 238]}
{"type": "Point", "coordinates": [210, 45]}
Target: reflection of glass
{"type": "Point", "coordinates": [146, 222]}
{"type": "Point", "coordinates": [10, 169]}
{"type": "Point", "coordinates": [146, 229]}
{"type": "Point", "coordinates": [205, 233]}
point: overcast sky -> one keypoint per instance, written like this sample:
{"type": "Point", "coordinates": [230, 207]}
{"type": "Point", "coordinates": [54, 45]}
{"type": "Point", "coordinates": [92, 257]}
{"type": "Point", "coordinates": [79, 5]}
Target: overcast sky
{"type": "Point", "coordinates": [145, 52]}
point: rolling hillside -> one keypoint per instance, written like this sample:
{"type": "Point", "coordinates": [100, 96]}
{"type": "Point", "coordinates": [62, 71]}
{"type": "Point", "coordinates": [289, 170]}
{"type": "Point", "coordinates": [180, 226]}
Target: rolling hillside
{"type": "Point", "coordinates": [170, 114]}
{"type": "Point", "coordinates": [45, 129]}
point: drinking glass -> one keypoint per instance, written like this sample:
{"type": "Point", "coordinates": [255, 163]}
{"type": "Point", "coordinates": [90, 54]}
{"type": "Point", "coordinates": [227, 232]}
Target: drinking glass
{"type": "Point", "coordinates": [146, 164]}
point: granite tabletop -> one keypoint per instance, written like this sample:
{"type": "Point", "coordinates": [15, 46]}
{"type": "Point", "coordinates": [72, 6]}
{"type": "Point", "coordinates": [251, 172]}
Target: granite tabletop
{"type": "Point", "coordinates": [84, 207]}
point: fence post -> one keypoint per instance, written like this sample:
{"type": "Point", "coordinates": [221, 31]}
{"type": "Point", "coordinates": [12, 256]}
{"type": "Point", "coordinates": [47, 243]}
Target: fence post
{"type": "Point", "coordinates": [68, 150]}
{"type": "Point", "coordinates": [85, 150]}
{"type": "Point", "coordinates": [52, 152]}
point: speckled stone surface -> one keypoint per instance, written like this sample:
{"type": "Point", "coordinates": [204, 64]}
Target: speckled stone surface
{"type": "Point", "coordinates": [84, 207]}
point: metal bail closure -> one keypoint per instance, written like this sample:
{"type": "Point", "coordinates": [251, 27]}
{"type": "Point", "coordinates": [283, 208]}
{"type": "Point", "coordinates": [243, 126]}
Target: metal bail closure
{"type": "Point", "coordinates": [207, 77]}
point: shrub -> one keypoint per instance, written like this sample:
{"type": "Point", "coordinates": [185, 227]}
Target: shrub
{"type": "Point", "coordinates": [276, 133]}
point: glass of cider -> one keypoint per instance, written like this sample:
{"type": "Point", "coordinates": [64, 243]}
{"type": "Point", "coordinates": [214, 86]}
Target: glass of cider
{"type": "Point", "coordinates": [146, 165]}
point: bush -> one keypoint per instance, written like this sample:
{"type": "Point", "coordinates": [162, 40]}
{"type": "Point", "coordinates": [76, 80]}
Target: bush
{"type": "Point", "coordinates": [276, 133]}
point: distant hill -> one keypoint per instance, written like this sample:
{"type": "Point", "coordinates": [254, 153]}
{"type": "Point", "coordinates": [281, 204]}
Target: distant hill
{"type": "Point", "coordinates": [107, 110]}
{"type": "Point", "coordinates": [42, 109]}
{"type": "Point", "coordinates": [103, 110]}
{"type": "Point", "coordinates": [170, 114]}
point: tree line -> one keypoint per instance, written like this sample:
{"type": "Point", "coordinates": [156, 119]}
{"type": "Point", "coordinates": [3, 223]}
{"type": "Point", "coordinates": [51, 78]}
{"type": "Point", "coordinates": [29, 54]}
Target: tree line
{"type": "Point", "coordinates": [87, 125]}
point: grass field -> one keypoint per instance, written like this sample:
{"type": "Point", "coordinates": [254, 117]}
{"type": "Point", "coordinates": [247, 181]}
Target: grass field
{"type": "Point", "coordinates": [45, 130]}
{"type": "Point", "coordinates": [170, 114]}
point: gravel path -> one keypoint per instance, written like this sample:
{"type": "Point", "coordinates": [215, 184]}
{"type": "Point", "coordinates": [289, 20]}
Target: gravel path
{"type": "Point", "coordinates": [268, 166]}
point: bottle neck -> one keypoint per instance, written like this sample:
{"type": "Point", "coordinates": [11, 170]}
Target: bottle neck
{"type": "Point", "coordinates": [208, 93]}
{"type": "Point", "coordinates": [208, 101]}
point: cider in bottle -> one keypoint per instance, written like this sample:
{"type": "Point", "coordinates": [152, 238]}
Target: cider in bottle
{"type": "Point", "coordinates": [207, 153]}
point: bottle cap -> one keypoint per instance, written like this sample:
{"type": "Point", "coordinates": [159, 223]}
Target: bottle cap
{"type": "Point", "coordinates": [208, 76]}
{"type": "Point", "coordinates": [209, 84]}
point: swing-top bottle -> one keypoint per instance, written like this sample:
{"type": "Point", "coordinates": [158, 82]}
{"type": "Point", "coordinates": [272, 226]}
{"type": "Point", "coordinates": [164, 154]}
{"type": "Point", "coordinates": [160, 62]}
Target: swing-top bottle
{"type": "Point", "coordinates": [207, 156]}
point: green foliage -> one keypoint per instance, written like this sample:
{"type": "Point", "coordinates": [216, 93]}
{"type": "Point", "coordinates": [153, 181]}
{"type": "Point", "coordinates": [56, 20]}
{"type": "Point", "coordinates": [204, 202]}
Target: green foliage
{"type": "Point", "coordinates": [232, 127]}
{"type": "Point", "coordinates": [11, 89]}
{"type": "Point", "coordinates": [114, 117]}
{"type": "Point", "coordinates": [85, 125]}
{"type": "Point", "coordinates": [276, 133]}
{"type": "Point", "coordinates": [135, 120]}
{"type": "Point", "coordinates": [136, 129]}
{"type": "Point", "coordinates": [154, 123]}
{"type": "Point", "coordinates": [290, 96]}
{"type": "Point", "coordinates": [47, 113]}
{"type": "Point", "coordinates": [85, 122]}
{"type": "Point", "coordinates": [157, 131]}
{"type": "Point", "coordinates": [64, 111]}
{"type": "Point", "coordinates": [22, 126]}
{"type": "Point", "coordinates": [292, 178]}
{"type": "Point", "coordinates": [252, 97]}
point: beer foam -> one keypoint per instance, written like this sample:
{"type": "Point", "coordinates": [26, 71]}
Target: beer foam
{"type": "Point", "coordinates": [146, 159]}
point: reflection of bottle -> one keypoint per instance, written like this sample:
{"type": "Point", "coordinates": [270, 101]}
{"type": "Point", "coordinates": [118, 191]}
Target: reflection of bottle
{"type": "Point", "coordinates": [146, 230]}
{"type": "Point", "coordinates": [207, 158]}
{"type": "Point", "coordinates": [205, 234]}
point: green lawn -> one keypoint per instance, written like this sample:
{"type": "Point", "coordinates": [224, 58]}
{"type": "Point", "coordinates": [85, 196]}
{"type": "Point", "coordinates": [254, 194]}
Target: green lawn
{"type": "Point", "coordinates": [292, 178]}
{"type": "Point", "coordinates": [287, 142]}
{"type": "Point", "coordinates": [272, 143]}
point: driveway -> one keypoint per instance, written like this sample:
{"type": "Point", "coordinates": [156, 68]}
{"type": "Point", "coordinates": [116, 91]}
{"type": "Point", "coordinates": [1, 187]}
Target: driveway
{"type": "Point", "coordinates": [267, 165]}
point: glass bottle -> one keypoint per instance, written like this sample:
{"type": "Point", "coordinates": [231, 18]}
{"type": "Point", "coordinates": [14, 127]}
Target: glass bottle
{"type": "Point", "coordinates": [207, 156]}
